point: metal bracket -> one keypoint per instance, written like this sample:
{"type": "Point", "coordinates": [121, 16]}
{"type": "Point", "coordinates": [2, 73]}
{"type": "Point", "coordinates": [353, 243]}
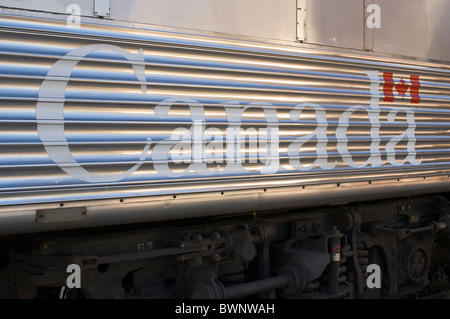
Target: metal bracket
{"type": "Point", "coordinates": [101, 8]}
{"type": "Point", "coordinates": [58, 215]}
{"type": "Point", "coordinates": [301, 20]}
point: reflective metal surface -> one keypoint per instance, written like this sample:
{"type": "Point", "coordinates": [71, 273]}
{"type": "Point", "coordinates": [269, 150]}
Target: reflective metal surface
{"type": "Point", "coordinates": [408, 28]}
{"type": "Point", "coordinates": [100, 112]}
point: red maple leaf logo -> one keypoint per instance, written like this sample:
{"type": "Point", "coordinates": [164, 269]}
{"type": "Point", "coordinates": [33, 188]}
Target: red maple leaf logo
{"type": "Point", "coordinates": [401, 88]}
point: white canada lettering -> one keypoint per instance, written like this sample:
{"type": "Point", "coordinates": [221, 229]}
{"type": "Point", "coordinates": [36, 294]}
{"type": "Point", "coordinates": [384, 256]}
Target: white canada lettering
{"type": "Point", "coordinates": [50, 110]}
{"type": "Point", "coordinates": [208, 151]}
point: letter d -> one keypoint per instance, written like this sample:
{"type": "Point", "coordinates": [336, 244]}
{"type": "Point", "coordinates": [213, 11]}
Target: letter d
{"type": "Point", "coordinates": [74, 280]}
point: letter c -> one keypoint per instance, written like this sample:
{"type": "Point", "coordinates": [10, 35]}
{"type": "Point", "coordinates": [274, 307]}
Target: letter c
{"type": "Point", "coordinates": [50, 111]}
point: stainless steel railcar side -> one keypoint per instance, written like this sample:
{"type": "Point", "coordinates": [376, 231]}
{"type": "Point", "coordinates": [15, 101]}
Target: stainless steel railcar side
{"type": "Point", "coordinates": [277, 126]}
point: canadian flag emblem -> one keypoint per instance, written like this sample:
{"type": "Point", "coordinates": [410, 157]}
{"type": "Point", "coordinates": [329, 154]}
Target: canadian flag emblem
{"type": "Point", "coordinates": [400, 87]}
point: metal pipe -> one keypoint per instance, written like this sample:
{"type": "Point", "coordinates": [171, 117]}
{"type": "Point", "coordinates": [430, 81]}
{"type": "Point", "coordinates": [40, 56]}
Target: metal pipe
{"type": "Point", "coordinates": [254, 287]}
{"type": "Point", "coordinates": [335, 257]}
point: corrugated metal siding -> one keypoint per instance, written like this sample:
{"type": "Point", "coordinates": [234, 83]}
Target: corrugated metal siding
{"type": "Point", "coordinates": [200, 83]}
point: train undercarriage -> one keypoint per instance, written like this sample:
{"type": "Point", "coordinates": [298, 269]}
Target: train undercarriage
{"type": "Point", "coordinates": [384, 249]}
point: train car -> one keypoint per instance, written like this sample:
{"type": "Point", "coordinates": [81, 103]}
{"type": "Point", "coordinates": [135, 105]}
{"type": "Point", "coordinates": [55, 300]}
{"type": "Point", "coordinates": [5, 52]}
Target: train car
{"type": "Point", "coordinates": [216, 149]}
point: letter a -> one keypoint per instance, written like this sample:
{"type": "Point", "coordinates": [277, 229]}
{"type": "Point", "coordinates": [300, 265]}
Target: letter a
{"type": "Point", "coordinates": [374, 20]}
{"type": "Point", "coordinates": [73, 20]}
{"type": "Point", "coordinates": [74, 280]}
{"type": "Point", "coordinates": [374, 279]}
